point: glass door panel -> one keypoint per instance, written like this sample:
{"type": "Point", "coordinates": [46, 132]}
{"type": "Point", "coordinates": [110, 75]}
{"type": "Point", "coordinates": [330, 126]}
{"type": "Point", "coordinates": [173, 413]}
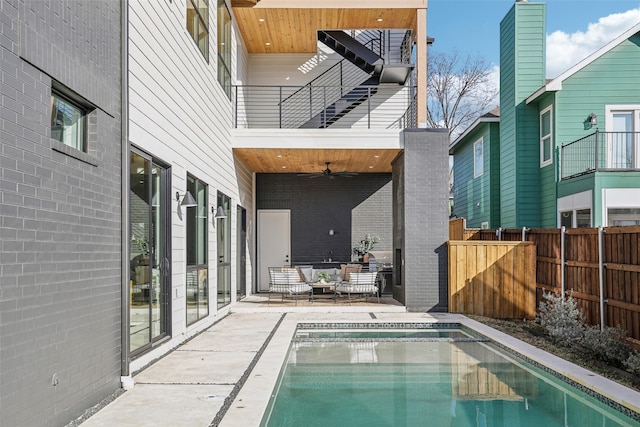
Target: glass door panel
{"type": "Point", "coordinates": [621, 141]}
{"type": "Point", "coordinates": [223, 237]}
{"type": "Point", "coordinates": [197, 269]}
{"type": "Point", "coordinates": [148, 257]}
{"type": "Point", "coordinates": [159, 262]}
{"type": "Point", "coordinates": [140, 250]}
{"type": "Point", "coordinates": [241, 282]}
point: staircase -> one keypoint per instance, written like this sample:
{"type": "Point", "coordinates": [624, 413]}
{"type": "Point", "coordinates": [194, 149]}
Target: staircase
{"type": "Point", "coordinates": [344, 105]}
{"type": "Point", "coordinates": [354, 87]}
{"type": "Point", "coordinates": [353, 51]}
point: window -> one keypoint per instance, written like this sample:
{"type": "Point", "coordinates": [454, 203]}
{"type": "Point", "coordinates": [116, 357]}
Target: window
{"type": "Point", "coordinates": [224, 47]}
{"type": "Point", "coordinates": [197, 269]}
{"type": "Point", "coordinates": [577, 218]}
{"type": "Point", "coordinates": [484, 225]}
{"type": "Point", "coordinates": [68, 121]}
{"type": "Point", "coordinates": [546, 141]}
{"type": "Point", "coordinates": [619, 217]}
{"type": "Point", "coordinates": [198, 24]}
{"type": "Point", "coordinates": [478, 158]}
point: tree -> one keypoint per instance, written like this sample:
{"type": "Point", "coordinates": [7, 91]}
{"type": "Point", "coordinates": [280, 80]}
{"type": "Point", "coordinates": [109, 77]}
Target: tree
{"type": "Point", "coordinates": [458, 91]}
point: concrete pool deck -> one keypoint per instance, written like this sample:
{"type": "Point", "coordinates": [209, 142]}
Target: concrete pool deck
{"type": "Point", "coordinates": [225, 375]}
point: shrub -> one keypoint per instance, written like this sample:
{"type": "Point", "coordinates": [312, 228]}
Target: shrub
{"type": "Point", "coordinates": [562, 319]}
{"type": "Point", "coordinates": [606, 345]}
{"type": "Point", "coordinates": [632, 364]}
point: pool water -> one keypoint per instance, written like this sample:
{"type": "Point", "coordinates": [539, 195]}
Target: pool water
{"type": "Point", "coordinates": [435, 378]}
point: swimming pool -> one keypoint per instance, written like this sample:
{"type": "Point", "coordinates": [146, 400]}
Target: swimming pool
{"type": "Point", "coordinates": [435, 374]}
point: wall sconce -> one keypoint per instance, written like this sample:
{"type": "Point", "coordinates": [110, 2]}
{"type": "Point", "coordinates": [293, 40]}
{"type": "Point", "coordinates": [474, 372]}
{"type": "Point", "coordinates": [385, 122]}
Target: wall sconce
{"type": "Point", "coordinates": [332, 232]}
{"type": "Point", "coordinates": [187, 201]}
{"type": "Point", "coordinates": [592, 120]}
{"type": "Point", "coordinates": [218, 214]}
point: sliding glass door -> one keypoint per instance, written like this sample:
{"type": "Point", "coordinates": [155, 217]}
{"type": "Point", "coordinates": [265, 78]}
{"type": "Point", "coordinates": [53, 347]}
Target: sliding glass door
{"type": "Point", "coordinates": [149, 251]}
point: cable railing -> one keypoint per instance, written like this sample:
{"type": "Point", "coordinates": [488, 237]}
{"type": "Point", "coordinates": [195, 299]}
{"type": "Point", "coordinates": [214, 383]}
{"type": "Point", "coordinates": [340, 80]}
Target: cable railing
{"type": "Point", "coordinates": [361, 106]}
{"type": "Point", "coordinates": [600, 151]}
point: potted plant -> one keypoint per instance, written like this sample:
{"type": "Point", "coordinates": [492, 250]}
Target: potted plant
{"type": "Point", "coordinates": [324, 277]}
{"type": "Point", "coordinates": [365, 245]}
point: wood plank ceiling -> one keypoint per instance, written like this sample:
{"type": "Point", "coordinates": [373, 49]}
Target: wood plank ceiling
{"type": "Point", "coordinates": [289, 160]}
{"type": "Point", "coordinates": [266, 30]}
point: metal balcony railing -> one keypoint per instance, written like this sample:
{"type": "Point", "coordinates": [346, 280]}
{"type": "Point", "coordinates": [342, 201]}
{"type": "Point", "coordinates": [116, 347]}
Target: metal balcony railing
{"type": "Point", "coordinates": [343, 107]}
{"type": "Point", "coordinates": [600, 151]}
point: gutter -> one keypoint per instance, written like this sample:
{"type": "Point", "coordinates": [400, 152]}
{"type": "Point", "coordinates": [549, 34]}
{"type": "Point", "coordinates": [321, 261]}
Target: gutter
{"type": "Point", "coordinates": [125, 358]}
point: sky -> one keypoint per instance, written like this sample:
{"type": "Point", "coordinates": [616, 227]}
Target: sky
{"type": "Point", "coordinates": [575, 28]}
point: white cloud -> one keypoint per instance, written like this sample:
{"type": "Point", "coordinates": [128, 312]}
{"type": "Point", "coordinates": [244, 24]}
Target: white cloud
{"type": "Point", "coordinates": [565, 50]}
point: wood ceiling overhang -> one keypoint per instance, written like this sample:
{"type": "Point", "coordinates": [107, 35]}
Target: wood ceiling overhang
{"type": "Point", "coordinates": [292, 160]}
{"type": "Point", "coordinates": [280, 27]}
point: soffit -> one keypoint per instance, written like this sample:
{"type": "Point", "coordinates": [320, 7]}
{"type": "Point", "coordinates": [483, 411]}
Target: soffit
{"type": "Point", "coordinates": [294, 30]}
{"type": "Point", "coordinates": [272, 160]}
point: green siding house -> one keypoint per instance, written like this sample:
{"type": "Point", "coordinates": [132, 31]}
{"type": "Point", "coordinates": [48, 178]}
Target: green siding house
{"type": "Point", "coordinates": [569, 148]}
{"type": "Point", "coordinates": [476, 171]}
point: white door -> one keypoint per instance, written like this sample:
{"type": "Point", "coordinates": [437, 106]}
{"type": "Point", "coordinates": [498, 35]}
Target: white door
{"type": "Point", "coordinates": [274, 243]}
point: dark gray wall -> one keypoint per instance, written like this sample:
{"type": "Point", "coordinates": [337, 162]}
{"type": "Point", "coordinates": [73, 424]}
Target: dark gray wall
{"type": "Point", "coordinates": [421, 230]}
{"type": "Point", "coordinates": [320, 204]}
{"type": "Point", "coordinates": [59, 213]}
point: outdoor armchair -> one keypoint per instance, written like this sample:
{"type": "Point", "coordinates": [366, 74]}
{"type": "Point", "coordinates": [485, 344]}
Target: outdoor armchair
{"type": "Point", "coordinates": [359, 283]}
{"type": "Point", "coordinates": [286, 281]}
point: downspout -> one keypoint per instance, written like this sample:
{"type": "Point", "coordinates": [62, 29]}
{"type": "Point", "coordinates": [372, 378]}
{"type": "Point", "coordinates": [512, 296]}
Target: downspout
{"type": "Point", "coordinates": [125, 375]}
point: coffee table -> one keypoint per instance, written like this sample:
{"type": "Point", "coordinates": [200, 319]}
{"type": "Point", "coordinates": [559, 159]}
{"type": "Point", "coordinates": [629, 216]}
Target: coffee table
{"type": "Point", "coordinates": [324, 290]}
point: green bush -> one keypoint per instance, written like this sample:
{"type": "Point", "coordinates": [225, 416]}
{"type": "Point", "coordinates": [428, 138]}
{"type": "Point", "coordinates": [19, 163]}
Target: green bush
{"type": "Point", "coordinates": [606, 345]}
{"type": "Point", "coordinates": [632, 364]}
{"type": "Point", "coordinates": [562, 319]}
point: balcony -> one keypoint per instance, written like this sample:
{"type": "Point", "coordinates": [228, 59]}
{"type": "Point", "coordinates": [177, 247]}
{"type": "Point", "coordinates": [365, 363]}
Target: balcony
{"type": "Point", "coordinates": [320, 107]}
{"type": "Point", "coordinates": [600, 152]}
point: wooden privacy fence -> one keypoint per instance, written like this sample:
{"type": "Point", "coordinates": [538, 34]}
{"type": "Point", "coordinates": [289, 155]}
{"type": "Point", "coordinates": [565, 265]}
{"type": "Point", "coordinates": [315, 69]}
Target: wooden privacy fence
{"type": "Point", "coordinates": [494, 279]}
{"type": "Point", "coordinates": [582, 261]}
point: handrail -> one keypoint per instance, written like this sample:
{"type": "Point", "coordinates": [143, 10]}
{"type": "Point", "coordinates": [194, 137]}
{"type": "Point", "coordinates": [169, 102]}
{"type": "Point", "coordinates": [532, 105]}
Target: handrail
{"type": "Point", "coordinates": [610, 151]}
{"type": "Point", "coordinates": [361, 106]}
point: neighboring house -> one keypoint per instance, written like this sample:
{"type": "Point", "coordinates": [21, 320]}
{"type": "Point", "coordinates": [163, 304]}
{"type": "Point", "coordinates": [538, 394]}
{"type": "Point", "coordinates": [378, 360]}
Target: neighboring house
{"type": "Point", "coordinates": [568, 146]}
{"type": "Point", "coordinates": [119, 247]}
{"type": "Point", "coordinates": [476, 171]}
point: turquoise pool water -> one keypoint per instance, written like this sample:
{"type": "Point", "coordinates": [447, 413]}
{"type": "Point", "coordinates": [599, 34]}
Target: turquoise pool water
{"type": "Point", "coordinates": [409, 378]}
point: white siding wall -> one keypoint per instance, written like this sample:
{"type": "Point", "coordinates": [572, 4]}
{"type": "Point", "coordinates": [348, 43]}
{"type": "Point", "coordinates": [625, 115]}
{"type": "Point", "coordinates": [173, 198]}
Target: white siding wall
{"type": "Point", "coordinates": [180, 114]}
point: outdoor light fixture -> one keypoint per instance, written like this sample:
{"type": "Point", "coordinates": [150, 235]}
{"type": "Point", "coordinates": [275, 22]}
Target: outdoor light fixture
{"type": "Point", "coordinates": [332, 232]}
{"type": "Point", "coordinates": [219, 214]}
{"type": "Point", "coordinates": [593, 119]}
{"type": "Point", "coordinates": [187, 201]}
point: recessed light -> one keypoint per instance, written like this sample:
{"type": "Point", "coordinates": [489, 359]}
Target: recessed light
{"type": "Point", "coordinates": [376, 156]}
{"type": "Point", "coordinates": [260, 19]}
{"type": "Point", "coordinates": [279, 156]}
{"type": "Point", "coordinates": [370, 167]}
{"type": "Point", "coordinates": [268, 44]}
{"type": "Point", "coordinates": [287, 78]}
{"type": "Point", "coordinates": [284, 167]}
{"type": "Point", "coordinates": [379, 19]}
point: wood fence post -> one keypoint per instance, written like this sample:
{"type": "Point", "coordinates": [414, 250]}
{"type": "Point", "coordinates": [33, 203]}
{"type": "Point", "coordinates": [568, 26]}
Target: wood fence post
{"type": "Point", "coordinates": [563, 259]}
{"type": "Point", "coordinates": [601, 268]}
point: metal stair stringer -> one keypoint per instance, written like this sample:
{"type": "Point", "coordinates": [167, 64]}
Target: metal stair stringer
{"type": "Point", "coordinates": [352, 50]}
{"type": "Point", "coordinates": [340, 108]}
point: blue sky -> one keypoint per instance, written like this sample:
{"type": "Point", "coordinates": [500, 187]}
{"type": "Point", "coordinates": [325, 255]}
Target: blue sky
{"type": "Point", "coordinates": [575, 28]}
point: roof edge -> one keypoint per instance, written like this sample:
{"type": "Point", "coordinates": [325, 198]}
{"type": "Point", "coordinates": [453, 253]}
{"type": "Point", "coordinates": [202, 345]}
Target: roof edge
{"type": "Point", "coordinates": [471, 129]}
{"type": "Point", "coordinates": [556, 84]}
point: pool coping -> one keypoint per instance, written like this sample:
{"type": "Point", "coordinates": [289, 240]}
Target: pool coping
{"type": "Point", "coordinates": [252, 400]}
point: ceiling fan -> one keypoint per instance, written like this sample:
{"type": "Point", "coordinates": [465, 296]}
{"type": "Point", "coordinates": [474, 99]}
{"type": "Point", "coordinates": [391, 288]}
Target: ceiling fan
{"type": "Point", "coordinates": [329, 173]}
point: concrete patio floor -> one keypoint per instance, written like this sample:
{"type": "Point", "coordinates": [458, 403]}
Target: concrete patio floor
{"type": "Point", "coordinates": [225, 375]}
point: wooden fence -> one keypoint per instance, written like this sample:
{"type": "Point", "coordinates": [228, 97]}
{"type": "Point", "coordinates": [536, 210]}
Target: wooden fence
{"type": "Point", "coordinates": [581, 268]}
{"type": "Point", "coordinates": [493, 279]}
